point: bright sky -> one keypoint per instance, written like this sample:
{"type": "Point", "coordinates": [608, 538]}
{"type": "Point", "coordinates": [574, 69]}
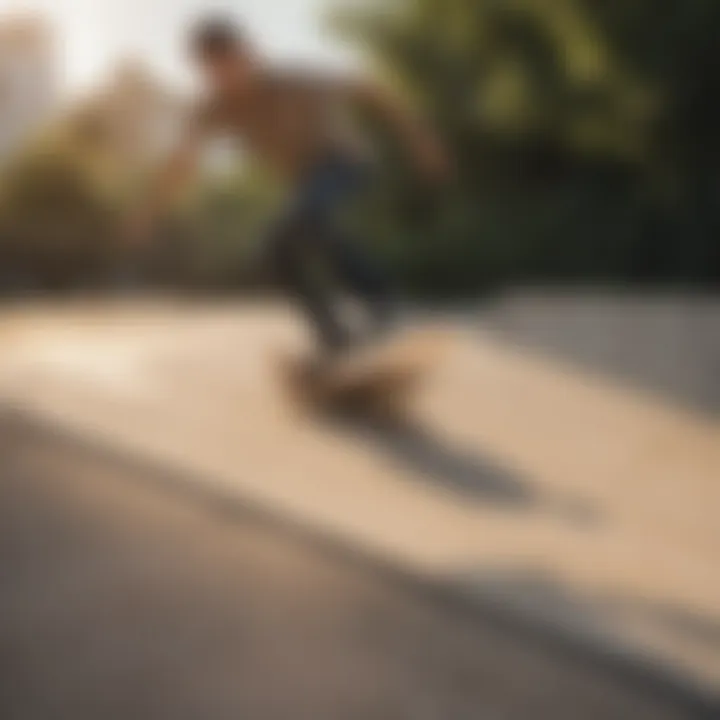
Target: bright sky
{"type": "Point", "coordinates": [95, 33]}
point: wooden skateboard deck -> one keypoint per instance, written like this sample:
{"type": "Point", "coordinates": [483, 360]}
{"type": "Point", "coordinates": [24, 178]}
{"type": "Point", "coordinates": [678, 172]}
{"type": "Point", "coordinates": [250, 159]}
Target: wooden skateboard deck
{"type": "Point", "coordinates": [380, 378]}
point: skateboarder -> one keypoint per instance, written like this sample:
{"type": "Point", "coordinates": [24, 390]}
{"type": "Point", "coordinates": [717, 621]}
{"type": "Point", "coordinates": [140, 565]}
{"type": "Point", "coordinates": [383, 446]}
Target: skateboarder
{"type": "Point", "coordinates": [294, 124]}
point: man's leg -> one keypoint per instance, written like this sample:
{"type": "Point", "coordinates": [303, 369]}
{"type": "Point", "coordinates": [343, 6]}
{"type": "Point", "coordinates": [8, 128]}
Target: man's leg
{"type": "Point", "coordinates": [292, 249]}
{"type": "Point", "coordinates": [334, 184]}
{"type": "Point", "coordinates": [361, 276]}
{"type": "Point", "coordinates": [309, 231]}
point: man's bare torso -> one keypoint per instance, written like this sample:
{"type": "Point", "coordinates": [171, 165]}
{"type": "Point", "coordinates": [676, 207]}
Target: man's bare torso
{"type": "Point", "coordinates": [287, 121]}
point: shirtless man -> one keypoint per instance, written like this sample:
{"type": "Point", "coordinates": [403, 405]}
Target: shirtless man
{"type": "Point", "coordinates": [293, 123]}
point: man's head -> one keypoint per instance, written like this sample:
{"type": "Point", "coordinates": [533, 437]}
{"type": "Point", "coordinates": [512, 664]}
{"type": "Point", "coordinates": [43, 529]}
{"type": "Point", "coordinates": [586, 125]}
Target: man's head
{"type": "Point", "coordinates": [221, 50]}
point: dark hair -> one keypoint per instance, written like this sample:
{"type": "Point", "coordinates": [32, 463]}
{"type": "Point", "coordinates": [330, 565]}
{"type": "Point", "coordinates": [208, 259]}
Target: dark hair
{"type": "Point", "coordinates": [215, 36]}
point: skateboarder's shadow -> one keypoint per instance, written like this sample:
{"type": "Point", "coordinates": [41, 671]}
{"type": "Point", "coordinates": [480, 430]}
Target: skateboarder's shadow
{"type": "Point", "coordinates": [415, 448]}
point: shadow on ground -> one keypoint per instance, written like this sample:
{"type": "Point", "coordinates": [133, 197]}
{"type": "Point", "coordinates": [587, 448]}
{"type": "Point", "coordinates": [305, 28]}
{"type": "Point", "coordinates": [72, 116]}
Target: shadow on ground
{"type": "Point", "coordinates": [468, 473]}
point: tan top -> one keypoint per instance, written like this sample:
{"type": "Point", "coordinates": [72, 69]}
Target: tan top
{"type": "Point", "coordinates": [287, 120]}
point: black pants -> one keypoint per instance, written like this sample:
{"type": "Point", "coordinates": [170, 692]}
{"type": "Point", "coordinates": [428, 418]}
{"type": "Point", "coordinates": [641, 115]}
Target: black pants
{"type": "Point", "coordinates": [317, 262]}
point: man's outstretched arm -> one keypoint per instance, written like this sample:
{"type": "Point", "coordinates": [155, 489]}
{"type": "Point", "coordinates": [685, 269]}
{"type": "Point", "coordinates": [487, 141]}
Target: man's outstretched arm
{"type": "Point", "coordinates": [172, 177]}
{"type": "Point", "coordinates": [425, 146]}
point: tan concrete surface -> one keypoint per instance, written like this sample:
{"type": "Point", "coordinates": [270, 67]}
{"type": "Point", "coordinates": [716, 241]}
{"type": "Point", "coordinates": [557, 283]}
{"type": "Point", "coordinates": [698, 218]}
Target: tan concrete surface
{"type": "Point", "coordinates": [555, 489]}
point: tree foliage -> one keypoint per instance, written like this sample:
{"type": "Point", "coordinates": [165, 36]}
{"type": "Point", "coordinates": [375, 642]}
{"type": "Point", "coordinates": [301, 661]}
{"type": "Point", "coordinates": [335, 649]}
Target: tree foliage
{"type": "Point", "coordinates": [585, 134]}
{"type": "Point", "coordinates": [58, 225]}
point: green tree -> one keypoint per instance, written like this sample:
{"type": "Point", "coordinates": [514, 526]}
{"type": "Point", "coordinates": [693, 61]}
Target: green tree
{"type": "Point", "coordinates": [584, 131]}
{"type": "Point", "coordinates": [57, 224]}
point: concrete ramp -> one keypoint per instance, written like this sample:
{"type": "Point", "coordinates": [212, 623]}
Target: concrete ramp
{"type": "Point", "coordinates": [561, 495]}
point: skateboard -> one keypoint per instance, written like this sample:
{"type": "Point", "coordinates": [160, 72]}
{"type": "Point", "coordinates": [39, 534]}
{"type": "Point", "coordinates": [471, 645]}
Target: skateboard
{"type": "Point", "coordinates": [378, 379]}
